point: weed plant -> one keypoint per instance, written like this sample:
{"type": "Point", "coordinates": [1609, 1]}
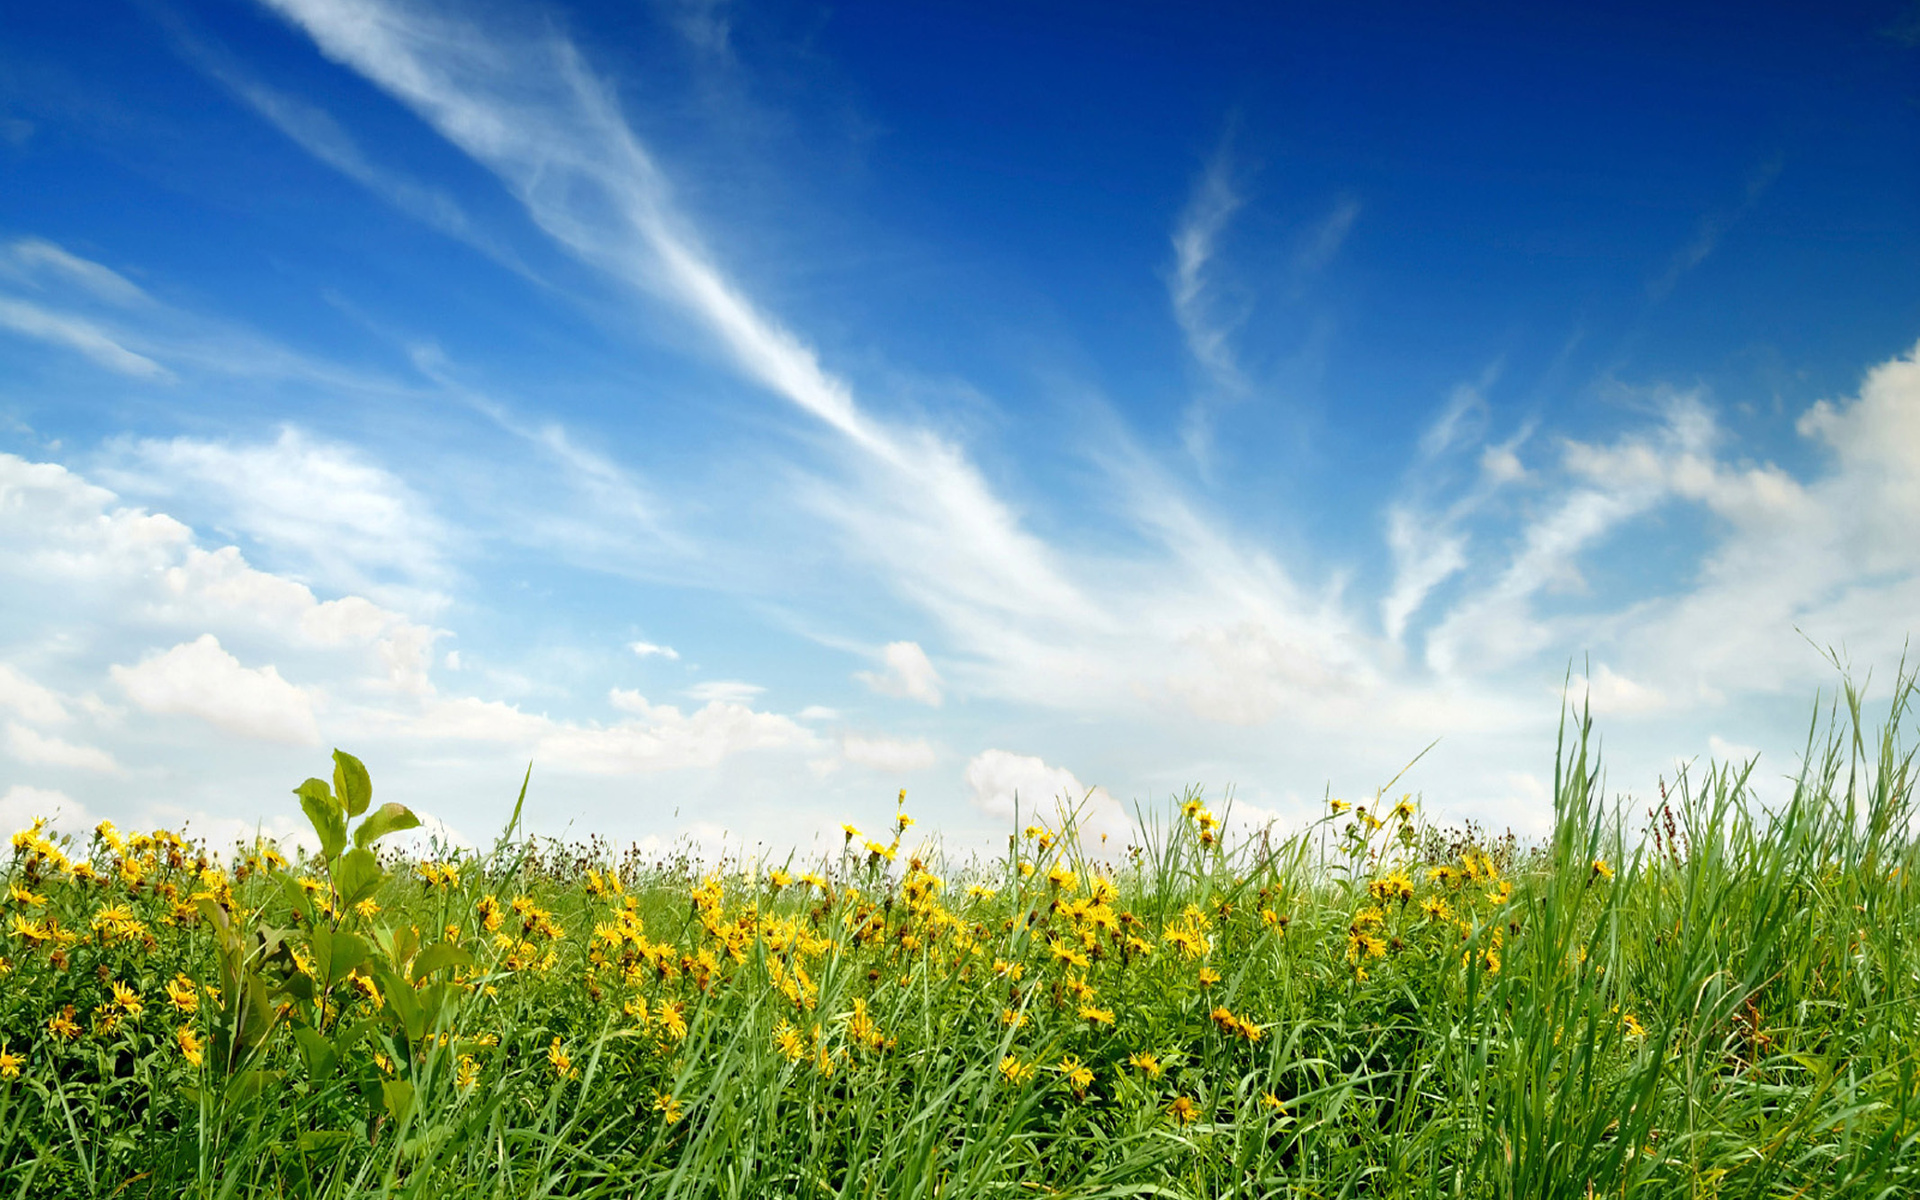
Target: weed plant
{"type": "Point", "coordinates": [1724, 1005]}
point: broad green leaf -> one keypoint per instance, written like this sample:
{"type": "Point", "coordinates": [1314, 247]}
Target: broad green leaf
{"type": "Point", "coordinates": [351, 783]}
{"type": "Point", "coordinates": [357, 877]}
{"type": "Point", "coordinates": [317, 1050]}
{"type": "Point", "coordinates": [329, 819]}
{"type": "Point", "coordinates": [390, 818]}
{"type": "Point", "coordinates": [439, 956]}
{"type": "Point", "coordinates": [316, 1140]}
{"type": "Point", "coordinates": [336, 954]}
{"type": "Point", "coordinates": [398, 943]}
{"type": "Point", "coordinates": [398, 1096]}
{"type": "Point", "coordinates": [405, 1006]}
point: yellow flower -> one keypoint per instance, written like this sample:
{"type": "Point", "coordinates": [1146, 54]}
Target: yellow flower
{"type": "Point", "coordinates": [1015, 1071]}
{"type": "Point", "coordinates": [62, 1025]}
{"type": "Point", "coordinates": [1634, 1030]}
{"type": "Point", "coordinates": [667, 1107]}
{"type": "Point", "coordinates": [561, 1060]}
{"type": "Point", "coordinates": [468, 1072]}
{"type": "Point", "coordinates": [1012, 1017]}
{"type": "Point", "coordinates": [191, 1047]}
{"type": "Point", "coordinates": [1078, 1075]}
{"type": "Point", "coordinates": [1209, 977]}
{"type": "Point", "coordinates": [1273, 1103]}
{"type": "Point", "coordinates": [10, 1063]}
{"type": "Point", "coordinates": [1435, 909]}
{"type": "Point", "coordinates": [787, 1040]}
{"type": "Point", "coordinates": [1026, 870]}
{"type": "Point", "coordinates": [183, 994]}
{"type": "Point", "coordinates": [1146, 1064]}
{"type": "Point", "coordinates": [852, 833]}
{"type": "Point", "coordinates": [1098, 1016]}
{"type": "Point", "coordinates": [366, 908]}
{"type": "Point", "coordinates": [1338, 806]}
{"type": "Point", "coordinates": [1183, 1110]}
{"type": "Point", "coordinates": [127, 999]}
{"type": "Point", "coordinates": [20, 895]}
{"type": "Point", "coordinates": [1403, 811]}
{"type": "Point", "coordinates": [366, 987]}
{"type": "Point", "coordinates": [779, 878]}
{"type": "Point", "coordinates": [1602, 870]}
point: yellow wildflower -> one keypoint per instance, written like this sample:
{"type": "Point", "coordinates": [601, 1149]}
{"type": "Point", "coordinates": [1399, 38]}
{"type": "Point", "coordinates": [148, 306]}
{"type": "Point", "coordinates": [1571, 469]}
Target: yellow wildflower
{"type": "Point", "coordinates": [1602, 870]}
{"type": "Point", "coordinates": [1146, 1064]}
{"type": "Point", "coordinates": [1078, 1075]}
{"type": "Point", "coordinates": [191, 1047]}
{"type": "Point", "coordinates": [1014, 1071]}
{"type": "Point", "coordinates": [1098, 1016]}
{"type": "Point", "coordinates": [667, 1107]}
{"type": "Point", "coordinates": [561, 1060]}
{"type": "Point", "coordinates": [62, 1025]}
{"type": "Point", "coordinates": [127, 999]}
{"type": "Point", "coordinates": [1183, 1110]}
{"type": "Point", "coordinates": [10, 1063]}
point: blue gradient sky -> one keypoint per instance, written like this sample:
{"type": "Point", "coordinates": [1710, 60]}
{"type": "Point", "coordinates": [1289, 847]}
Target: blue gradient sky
{"type": "Point", "coordinates": [977, 399]}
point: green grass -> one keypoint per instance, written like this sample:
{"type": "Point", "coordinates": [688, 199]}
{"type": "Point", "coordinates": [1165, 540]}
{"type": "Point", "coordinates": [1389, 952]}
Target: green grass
{"type": "Point", "coordinates": [1722, 1005]}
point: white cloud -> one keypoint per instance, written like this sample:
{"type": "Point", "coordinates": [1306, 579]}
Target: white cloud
{"type": "Point", "coordinates": [28, 699]}
{"type": "Point", "coordinates": [818, 712]}
{"type": "Point", "coordinates": [651, 650]}
{"type": "Point", "coordinates": [22, 805]}
{"type": "Point", "coordinates": [45, 750]}
{"type": "Point", "coordinates": [322, 506]}
{"type": "Point", "coordinates": [199, 679]}
{"type": "Point", "coordinates": [909, 674]}
{"type": "Point", "coordinates": [27, 258]}
{"type": "Point", "coordinates": [892, 755]}
{"type": "Point", "coordinates": [731, 691]}
{"type": "Point", "coordinates": [1726, 752]}
{"type": "Point", "coordinates": [1613, 694]}
{"type": "Point", "coordinates": [1003, 783]}
{"type": "Point", "coordinates": [662, 738]}
{"type": "Point", "coordinates": [78, 333]}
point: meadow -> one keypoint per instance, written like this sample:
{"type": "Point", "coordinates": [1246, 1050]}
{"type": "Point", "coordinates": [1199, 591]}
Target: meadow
{"type": "Point", "coordinates": [1687, 996]}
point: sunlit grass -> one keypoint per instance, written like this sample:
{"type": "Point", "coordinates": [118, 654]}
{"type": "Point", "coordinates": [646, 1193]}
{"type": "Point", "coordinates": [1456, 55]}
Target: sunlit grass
{"type": "Point", "coordinates": [1721, 1004]}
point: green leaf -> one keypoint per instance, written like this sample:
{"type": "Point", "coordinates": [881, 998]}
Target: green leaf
{"type": "Point", "coordinates": [398, 1095]}
{"type": "Point", "coordinates": [313, 1141]}
{"type": "Point", "coordinates": [405, 1006]}
{"type": "Point", "coordinates": [391, 818]}
{"type": "Point", "coordinates": [438, 957]}
{"type": "Point", "coordinates": [352, 783]}
{"type": "Point", "coordinates": [357, 877]}
{"type": "Point", "coordinates": [329, 819]}
{"type": "Point", "coordinates": [336, 954]}
{"type": "Point", "coordinates": [317, 1050]}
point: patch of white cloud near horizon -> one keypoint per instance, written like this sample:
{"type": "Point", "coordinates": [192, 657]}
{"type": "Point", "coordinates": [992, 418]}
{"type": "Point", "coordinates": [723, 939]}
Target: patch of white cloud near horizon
{"type": "Point", "coordinates": [1011, 787]}
{"type": "Point", "coordinates": [23, 805]}
{"type": "Point", "coordinates": [891, 755]}
{"type": "Point", "coordinates": [347, 521]}
{"type": "Point", "coordinates": [45, 750]}
{"type": "Point", "coordinates": [650, 650]}
{"type": "Point", "coordinates": [909, 674]}
{"type": "Point", "coordinates": [199, 679]}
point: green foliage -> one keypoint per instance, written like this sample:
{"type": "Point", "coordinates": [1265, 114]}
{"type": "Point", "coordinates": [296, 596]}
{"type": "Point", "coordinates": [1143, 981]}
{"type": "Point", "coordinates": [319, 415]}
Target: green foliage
{"type": "Point", "coordinates": [1722, 1006]}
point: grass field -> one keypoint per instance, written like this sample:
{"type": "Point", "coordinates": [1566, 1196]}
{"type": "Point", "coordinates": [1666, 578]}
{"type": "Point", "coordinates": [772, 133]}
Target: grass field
{"type": "Point", "coordinates": [1699, 999]}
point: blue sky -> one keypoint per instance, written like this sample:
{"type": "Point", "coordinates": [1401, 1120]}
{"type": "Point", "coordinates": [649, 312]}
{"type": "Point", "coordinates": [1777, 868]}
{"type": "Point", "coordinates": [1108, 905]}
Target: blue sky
{"type": "Point", "coordinates": [743, 411]}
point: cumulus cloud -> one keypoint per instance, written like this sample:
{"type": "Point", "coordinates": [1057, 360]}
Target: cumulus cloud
{"type": "Point", "coordinates": [199, 679]}
{"type": "Point", "coordinates": [888, 754]}
{"type": "Point", "coordinates": [651, 650]}
{"type": "Point", "coordinates": [1002, 784]}
{"type": "Point", "coordinates": [909, 674]}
